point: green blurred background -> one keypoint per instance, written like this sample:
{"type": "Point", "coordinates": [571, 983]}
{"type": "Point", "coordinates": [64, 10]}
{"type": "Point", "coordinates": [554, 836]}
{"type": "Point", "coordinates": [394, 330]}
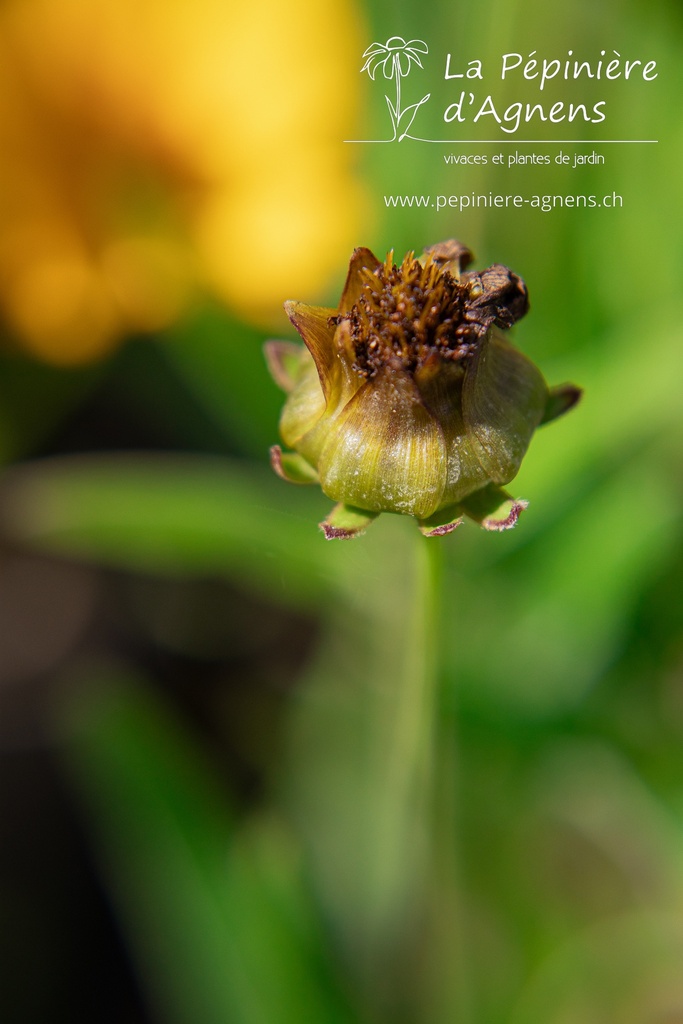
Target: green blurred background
{"type": "Point", "coordinates": [208, 804]}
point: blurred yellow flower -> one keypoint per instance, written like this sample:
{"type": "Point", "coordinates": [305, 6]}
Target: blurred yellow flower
{"type": "Point", "coordinates": [151, 149]}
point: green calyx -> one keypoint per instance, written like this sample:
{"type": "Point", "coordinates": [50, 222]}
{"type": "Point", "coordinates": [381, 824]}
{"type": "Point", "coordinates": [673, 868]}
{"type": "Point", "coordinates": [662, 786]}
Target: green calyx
{"type": "Point", "coordinates": [408, 398]}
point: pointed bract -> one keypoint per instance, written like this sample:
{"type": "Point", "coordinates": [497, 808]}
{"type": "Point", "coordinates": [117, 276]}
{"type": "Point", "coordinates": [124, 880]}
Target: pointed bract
{"type": "Point", "coordinates": [560, 400]}
{"type": "Point", "coordinates": [442, 522]}
{"type": "Point", "coordinates": [313, 324]}
{"type": "Point", "coordinates": [284, 362]}
{"type": "Point", "coordinates": [292, 467]}
{"type": "Point", "coordinates": [361, 259]}
{"type": "Point", "coordinates": [493, 508]}
{"type": "Point", "coordinates": [345, 522]}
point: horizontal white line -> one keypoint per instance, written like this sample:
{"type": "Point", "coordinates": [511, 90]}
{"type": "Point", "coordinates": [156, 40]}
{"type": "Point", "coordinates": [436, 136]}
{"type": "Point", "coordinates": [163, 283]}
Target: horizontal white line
{"type": "Point", "coordinates": [519, 142]}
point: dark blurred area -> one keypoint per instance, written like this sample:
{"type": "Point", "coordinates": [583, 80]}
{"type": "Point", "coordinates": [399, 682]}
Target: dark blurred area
{"type": "Point", "coordinates": [223, 658]}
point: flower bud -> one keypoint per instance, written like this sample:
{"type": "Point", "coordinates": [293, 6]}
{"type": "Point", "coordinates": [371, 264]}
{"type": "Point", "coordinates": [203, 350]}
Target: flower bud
{"type": "Point", "coordinates": [409, 398]}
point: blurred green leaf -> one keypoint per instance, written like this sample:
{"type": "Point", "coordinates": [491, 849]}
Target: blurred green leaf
{"type": "Point", "coordinates": [217, 916]}
{"type": "Point", "coordinates": [172, 514]}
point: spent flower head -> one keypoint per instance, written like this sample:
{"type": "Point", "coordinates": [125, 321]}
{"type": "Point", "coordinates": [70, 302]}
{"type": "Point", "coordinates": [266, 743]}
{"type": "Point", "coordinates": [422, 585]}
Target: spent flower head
{"type": "Point", "coordinates": [409, 398]}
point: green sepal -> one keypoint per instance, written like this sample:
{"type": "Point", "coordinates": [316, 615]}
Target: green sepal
{"type": "Point", "coordinates": [442, 522]}
{"type": "Point", "coordinates": [493, 508]}
{"type": "Point", "coordinates": [283, 359]}
{"type": "Point", "coordinates": [345, 522]}
{"type": "Point", "coordinates": [503, 399]}
{"type": "Point", "coordinates": [385, 451]}
{"type": "Point", "coordinates": [304, 406]}
{"type": "Point", "coordinates": [292, 467]}
{"type": "Point", "coordinates": [560, 400]}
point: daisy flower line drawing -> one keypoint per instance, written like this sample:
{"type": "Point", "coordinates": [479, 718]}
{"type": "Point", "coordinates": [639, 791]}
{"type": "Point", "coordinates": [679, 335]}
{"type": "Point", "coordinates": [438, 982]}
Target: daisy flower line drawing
{"type": "Point", "coordinates": [395, 58]}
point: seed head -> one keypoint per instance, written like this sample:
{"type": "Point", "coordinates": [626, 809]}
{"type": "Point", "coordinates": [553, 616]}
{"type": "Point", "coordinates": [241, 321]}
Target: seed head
{"type": "Point", "coordinates": [408, 397]}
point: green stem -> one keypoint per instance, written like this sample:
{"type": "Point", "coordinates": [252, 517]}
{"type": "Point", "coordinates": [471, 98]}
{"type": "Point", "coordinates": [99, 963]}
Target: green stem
{"type": "Point", "coordinates": [414, 876]}
{"type": "Point", "coordinates": [403, 820]}
{"type": "Point", "coordinates": [436, 771]}
{"type": "Point", "coordinates": [450, 982]}
{"type": "Point", "coordinates": [421, 704]}
{"type": "Point", "coordinates": [408, 766]}
{"type": "Point", "coordinates": [414, 724]}
{"type": "Point", "coordinates": [397, 70]}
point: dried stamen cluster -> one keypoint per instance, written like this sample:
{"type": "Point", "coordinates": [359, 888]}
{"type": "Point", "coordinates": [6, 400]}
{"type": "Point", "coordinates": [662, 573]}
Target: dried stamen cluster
{"type": "Point", "coordinates": [407, 314]}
